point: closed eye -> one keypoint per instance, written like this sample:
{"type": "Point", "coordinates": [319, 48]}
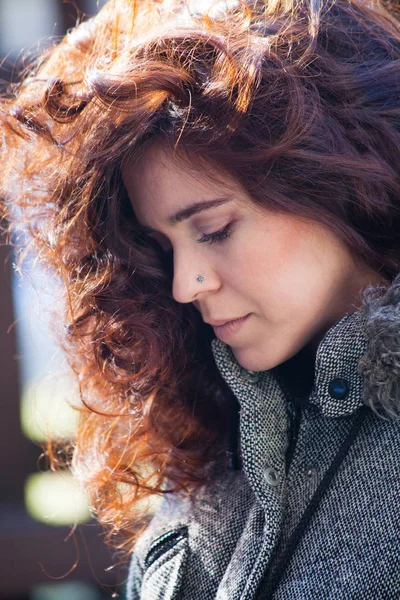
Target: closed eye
{"type": "Point", "coordinates": [216, 236]}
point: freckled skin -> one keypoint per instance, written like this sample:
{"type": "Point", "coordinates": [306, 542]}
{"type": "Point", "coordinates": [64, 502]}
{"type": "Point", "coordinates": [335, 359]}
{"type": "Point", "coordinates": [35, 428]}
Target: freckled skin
{"type": "Point", "coordinates": [295, 277]}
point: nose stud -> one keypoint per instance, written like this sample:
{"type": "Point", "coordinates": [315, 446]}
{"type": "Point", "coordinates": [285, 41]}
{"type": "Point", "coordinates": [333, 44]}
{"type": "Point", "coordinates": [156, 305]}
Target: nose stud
{"type": "Point", "coordinates": [200, 278]}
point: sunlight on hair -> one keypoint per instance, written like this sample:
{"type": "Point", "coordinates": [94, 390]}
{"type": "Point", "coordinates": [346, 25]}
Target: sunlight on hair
{"type": "Point", "coordinates": [148, 505]}
{"type": "Point", "coordinates": [214, 8]}
{"type": "Point", "coordinates": [55, 499]}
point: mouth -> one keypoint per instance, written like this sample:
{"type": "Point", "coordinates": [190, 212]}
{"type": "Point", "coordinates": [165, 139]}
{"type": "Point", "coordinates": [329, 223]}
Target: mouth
{"type": "Point", "coordinates": [216, 323]}
{"type": "Point", "coordinates": [228, 328]}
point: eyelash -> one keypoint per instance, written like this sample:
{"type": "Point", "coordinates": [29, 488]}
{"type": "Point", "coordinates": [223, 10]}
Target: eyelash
{"type": "Point", "coordinates": [216, 236]}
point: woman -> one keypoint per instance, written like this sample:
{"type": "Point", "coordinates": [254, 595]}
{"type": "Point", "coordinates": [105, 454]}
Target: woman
{"type": "Point", "coordinates": [219, 191]}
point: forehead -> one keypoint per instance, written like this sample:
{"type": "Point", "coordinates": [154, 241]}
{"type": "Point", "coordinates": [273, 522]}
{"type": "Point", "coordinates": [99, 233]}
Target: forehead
{"type": "Point", "coordinates": [160, 182]}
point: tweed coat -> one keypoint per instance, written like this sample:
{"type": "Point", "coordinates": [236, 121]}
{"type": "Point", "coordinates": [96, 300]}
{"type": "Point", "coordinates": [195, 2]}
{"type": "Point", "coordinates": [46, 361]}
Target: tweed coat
{"type": "Point", "coordinates": [234, 537]}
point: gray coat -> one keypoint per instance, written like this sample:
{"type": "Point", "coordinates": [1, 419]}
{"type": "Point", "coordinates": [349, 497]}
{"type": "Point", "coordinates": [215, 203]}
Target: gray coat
{"type": "Point", "coordinates": [232, 539]}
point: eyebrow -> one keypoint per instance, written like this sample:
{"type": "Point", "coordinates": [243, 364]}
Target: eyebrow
{"type": "Point", "coordinates": [189, 211]}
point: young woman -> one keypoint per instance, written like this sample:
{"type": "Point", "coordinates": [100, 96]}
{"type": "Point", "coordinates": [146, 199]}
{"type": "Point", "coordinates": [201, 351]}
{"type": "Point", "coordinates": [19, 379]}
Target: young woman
{"type": "Point", "coordinates": [219, 190]}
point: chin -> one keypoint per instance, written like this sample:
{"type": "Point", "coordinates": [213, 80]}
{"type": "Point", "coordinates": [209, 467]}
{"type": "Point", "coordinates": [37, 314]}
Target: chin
{"type": "Point", "coordinates": [253, 361]}
{"type": "Point", "coordinates": [265, 357]}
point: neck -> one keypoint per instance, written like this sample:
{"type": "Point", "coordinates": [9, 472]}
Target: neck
{"type": "Point", "coordinates": [352, 302]}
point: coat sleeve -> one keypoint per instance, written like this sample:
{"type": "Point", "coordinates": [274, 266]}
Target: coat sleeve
{"type": "Point", "coordinates": [162, 576]}
{"type": "Point", "coordinates": [160, 554]}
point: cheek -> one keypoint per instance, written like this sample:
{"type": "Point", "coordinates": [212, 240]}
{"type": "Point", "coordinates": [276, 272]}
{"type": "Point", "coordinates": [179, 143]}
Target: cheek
{"type": "Point", "coordinates": [273, 255]}
{"type": "Point", "coordinates": [280, 269]}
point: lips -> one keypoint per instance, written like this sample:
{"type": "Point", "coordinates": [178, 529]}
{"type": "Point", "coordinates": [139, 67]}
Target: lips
{"type": "Point", "coordinates": [230, 328]}
{"type": "Point", "coordinates": [224, 322]}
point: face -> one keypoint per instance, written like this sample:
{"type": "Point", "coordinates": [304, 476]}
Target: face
{"type": "Point", "coordinates": [292, 279]}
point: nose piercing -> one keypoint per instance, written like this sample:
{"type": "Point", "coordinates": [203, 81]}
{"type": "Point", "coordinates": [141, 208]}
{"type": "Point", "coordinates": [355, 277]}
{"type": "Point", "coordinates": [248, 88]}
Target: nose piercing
{"type": "Point", "coordinates": [200, 278]}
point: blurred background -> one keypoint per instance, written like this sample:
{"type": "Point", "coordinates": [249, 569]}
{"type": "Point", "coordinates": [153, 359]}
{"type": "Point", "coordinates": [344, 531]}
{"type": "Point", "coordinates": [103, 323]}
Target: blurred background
{"type": "Point", "coordinates": [42, 555]}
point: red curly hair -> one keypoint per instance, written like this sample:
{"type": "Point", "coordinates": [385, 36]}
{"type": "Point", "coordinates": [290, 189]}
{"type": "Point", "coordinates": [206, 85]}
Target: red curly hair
{"type": "Point", "coordinates": [297, 100]}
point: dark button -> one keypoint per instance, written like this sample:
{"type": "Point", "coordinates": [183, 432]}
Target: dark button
{"type": "Point", "coordinates": [338, 388]}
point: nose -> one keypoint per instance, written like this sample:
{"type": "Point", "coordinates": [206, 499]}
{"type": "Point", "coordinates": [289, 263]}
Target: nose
{"type": "Point", "coordinates": [186, 287]}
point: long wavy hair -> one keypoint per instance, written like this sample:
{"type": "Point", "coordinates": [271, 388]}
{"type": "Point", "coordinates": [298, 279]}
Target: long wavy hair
{"type": "Point", "coordinates": [297, 100]}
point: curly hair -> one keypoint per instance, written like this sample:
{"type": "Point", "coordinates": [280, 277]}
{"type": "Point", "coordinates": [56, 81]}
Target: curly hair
{"type": "Point", "coordinates": [297, 100]}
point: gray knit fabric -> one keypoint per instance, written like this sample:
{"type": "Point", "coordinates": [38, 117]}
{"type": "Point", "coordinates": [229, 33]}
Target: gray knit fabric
{"type": "Point", "coordinates": [224, 542]}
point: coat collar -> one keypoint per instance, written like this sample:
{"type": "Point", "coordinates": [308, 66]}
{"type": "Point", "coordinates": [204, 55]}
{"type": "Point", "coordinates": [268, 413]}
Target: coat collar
{"type": "Point", "coordinates": [363, 349]}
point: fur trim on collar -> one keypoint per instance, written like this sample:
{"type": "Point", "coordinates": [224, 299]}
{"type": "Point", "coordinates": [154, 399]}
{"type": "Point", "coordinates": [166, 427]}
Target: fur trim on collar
{"type": "Point", "coordinates": [380, 365]}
